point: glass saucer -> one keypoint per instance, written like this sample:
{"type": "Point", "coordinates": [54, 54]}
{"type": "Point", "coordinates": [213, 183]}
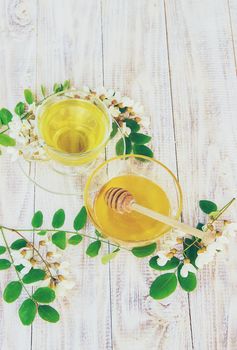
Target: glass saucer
{"type": "Point", "coordinates": [59, 179]}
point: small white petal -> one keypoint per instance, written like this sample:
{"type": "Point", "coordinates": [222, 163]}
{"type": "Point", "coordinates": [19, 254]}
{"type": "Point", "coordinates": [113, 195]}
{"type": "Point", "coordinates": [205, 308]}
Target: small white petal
{"type": "Point", "coordinates": [127, 102]}
{"type": "Point", "coordinates": [184, 271]}
{"type": "Point", "coordinates": [114, 111]}
{"type": "Point", "coordinates": [117, 96]}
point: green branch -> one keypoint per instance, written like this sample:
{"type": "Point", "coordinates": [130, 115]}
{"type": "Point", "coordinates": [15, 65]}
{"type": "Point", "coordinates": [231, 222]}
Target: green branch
{"type": "Point", "coordinates": [12, 260]}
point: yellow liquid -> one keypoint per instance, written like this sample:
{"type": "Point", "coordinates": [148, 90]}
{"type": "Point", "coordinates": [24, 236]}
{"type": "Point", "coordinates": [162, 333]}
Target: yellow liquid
{"type": "Point", "coordinates": [132, 227]}
{"type": "Point", "coordinates": [74, 127]}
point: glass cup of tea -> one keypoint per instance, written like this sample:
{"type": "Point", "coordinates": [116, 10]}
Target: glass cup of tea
{"type": "Point", "coordinates": [74, 128]}
{"type": "Point", "coordinates": [152, 185]}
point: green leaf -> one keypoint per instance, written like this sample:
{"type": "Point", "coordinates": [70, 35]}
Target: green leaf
{"type": "Point", "coordinates": [20, 108]}
{"type": "Point", "coordinates": [44, 295]}
{"type": "Point", "coordinates": [5, 116]}
{"type": "Point", "coordinates": [192, 249]}
{"type": "Point", "coordinates": [34, 275]}
{"type": "Point", "coordinates": [48, 313]}
{"type": "Point", "coordinates": [80, 219]}
{"type": "Point", "coordinates": [19, 267]}
{"type": "Point", "coordinates": [4, 264]}
{"type": "Point", "coordinates": [66, 84]}
{"type": "Point", "coordinates": [213, 215]}
{"type": "Point", "coordinates": [163, 286]}
{"type": "Point", "coordinates": [75, 239]}
{"type": "Point", "coordinates": [141, 252]}
{"type": "Point", "coordinates": [139, 139]}
{"type": "Point", "coordinates": [27, 312]}
{"type": "Point", "coordinates": [12, 291]}
{"type": "Point", "coordinates": [18, 244]}
{"type": "Point", "coordinates": [98, 234]}
{"type": "Point", "coordinates": [37, 219]}
{"type": "Point", "coordinates": [58, 218]}
{"type": "Point", "coordinates": [2, 249]}
{"type": "Point", "coordinates": [59, 239]}
{"type": "Point", "coordinates": [7, 141]}
{"type": "Point", "coordinates": [143, 150]}
{"type": "Point", "coordinates": [114, 130]}
{"type": "Point", "coordinates": [57, 87]}
{"type": "Point", "coordinates": [120, 146]}
{"type": "Point", "coordinates": [200, 226]}
{"type": "Point", "coordinates": [188, 283]}
{"type": "Point", "coordinates": [132, 125]}
{"type": "Point", "coordinates": [171, 264]}
{"type": "Point", "coordinates": [42, 233]}
{"type": "Point", "coordinates": [29, 97]}
{"type": "Point", "coordinates": [43, 90]}
{"type": "Point", "coordinates": [207, 206]}
{"type": "Point", "coordinates": [93, 249]}
{"type": "Point", "coordinates": [122, 109]}
{"type": "Point", "coordinates": [108, 257]}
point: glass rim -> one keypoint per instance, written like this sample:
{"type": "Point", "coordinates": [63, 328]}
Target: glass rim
{"type": "Point", "coordinates": [95, 171]}
{"type": "Point", "coordinates": [79, 154]}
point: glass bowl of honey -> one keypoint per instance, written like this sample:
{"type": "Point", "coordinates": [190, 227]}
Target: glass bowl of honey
{"type": "Point", "coordinates": [151, 184]}
{"type": "Point", "coordinates": [74, 129]}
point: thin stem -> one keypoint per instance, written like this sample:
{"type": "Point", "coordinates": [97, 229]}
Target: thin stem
{"type": "Point", "coordinates": [68, 231]}
{"type": "Point", "coordinates": [12, 260]}
{"type": "Point", "coordinates": [222, 210]}
{"type": "Point", "coordinates": [190, 245]}
{"type": "Point", "coordinates": [37, 251]}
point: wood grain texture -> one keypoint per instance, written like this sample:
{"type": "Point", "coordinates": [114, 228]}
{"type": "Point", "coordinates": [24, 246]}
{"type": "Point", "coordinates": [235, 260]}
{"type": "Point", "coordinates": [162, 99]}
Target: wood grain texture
{"type": "Point", "coordinates": [17, 70]}
{"type": "Point", "coordinates": [69, 47]}
{"type": "Point", "coordinates": [232, 9]}
{"type": "Point", "coordinates": [178, 58]}
{"type": "Point", "coordinates": [204, 98]}
{"type": "Point", "coordinates": [135, 62]}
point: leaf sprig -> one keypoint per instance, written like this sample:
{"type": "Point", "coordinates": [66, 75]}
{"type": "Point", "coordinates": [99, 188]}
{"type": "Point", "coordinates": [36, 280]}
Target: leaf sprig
{"type": "Point", "coordinates": [24, 110]}
{"type": "Point", "coordinates": [38, 302]}
{"type": "Point", "coordinates": [166, 284]}
{"type": "Point", "coordinates": [134, 142]}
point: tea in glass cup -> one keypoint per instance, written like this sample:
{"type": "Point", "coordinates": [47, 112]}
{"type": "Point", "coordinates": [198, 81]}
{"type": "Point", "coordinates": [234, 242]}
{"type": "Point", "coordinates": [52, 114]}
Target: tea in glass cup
{"type": "Point", "coordinates": [75, 130]}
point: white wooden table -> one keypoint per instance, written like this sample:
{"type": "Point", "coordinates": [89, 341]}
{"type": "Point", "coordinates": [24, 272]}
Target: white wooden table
{"type": "Point", "coordinates": [177, 57]}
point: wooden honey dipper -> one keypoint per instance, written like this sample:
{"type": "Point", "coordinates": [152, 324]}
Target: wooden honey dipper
{"type": "Point", "coordinates": [122, 201]}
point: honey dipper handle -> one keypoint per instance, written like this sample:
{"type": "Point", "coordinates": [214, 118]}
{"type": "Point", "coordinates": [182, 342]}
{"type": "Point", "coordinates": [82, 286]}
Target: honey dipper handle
{"type": "Point", "coordinates": [205, 237]}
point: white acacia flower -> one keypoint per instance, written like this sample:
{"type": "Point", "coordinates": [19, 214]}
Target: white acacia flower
{"type": "Point", "coordinates": [51, 248]}
{"type": "Point", "coordinates": [15, 124]}
{"type": "Point", "coordinates": [20, 259]}
{"type": "Point", "coordinates": [138, 108]}
{"type": "Point", "coordinates": [13, 152]}
{"type": "Point", "coordinates": [63, 287]}
{"type": "Point", "coordinates": [127, 102]}
{"type": "Point", "coordinates": [203, 259]}
{"type": "Point", "coordinates": [230, 230]}
{"type": "Point", "coordinates": [117, 96]}
{"type": "Point", "coordinates": [218, 245]}
{"type": "Point", "coordinates": [114, 111]}
{"type": "Point", "coordinates": [162, 258]}
{"type": "Point", "coordinates": [186, 268]}
{"type": "Point", "coordinates": [103, 91]}
{"type": "Point", "coordinates": [63, 282]}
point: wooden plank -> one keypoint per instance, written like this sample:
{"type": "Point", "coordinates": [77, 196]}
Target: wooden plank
{"type": "Point", "coordinates": [135, 61]}
{"type": "Point", "coordinates": [205, 101]}
{"type": "Point", "coordinates": [69, 46]}
{"type": "Point", "coordinates": [17, 70]}
{"type": "Point", "coordinates": [232, 9]}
